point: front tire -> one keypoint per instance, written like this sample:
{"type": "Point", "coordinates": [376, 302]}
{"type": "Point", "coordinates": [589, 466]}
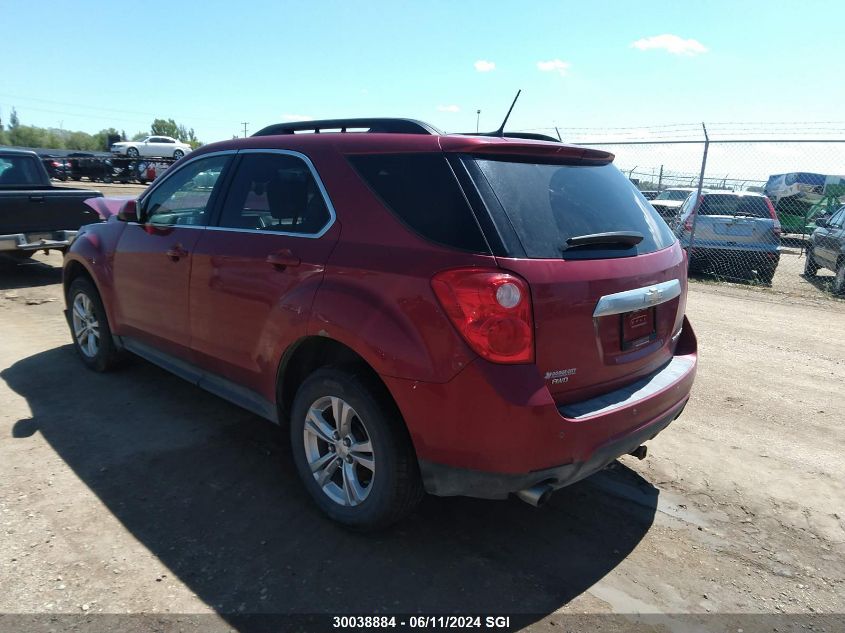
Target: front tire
{"type": "Point", "coordinates": [89, 327]}
{"type": "Point", "coordinates": [810, 265]}
{"type": "Point", "coordinates": [132, 152]}
{"type": "Point", "coordinates": [178, 154]}
{"type": "Point", "coordinates": [352, 451]}
{"type": "Point", "coordinates": [838, 286]}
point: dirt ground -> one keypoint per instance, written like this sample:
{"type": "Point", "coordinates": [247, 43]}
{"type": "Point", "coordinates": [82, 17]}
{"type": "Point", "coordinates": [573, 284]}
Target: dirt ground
{"type": "Point", "coordinates": [136, 492]}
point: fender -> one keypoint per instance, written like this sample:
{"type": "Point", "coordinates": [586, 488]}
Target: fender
{"type": "Point", "coordinates": [92, 249]}
{"type": "Point", "coordinates": [399, 334]}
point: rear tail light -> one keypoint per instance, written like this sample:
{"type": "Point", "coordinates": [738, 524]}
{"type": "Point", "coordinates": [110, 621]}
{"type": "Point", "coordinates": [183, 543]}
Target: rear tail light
{"type": "Point", "coordinates": [491, 310]}
{"type": "Point", "coordinates": [777, 228]}
{"type": "Point", "coordinates": [688, 224]}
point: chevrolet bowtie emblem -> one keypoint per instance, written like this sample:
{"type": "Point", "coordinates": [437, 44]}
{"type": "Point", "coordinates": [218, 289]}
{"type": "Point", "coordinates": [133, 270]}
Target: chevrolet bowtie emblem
{"type": "Point", "coordinates": [652, 296]}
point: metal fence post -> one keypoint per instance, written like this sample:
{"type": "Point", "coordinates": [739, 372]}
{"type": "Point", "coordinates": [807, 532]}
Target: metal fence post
{"type": "Point", "coordinates": [698, 196]}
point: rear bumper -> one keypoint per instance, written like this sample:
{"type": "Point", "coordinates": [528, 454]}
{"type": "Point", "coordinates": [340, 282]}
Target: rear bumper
{"type": "Point", "coordinates": [495, 429]}
{"type": "Point", "coordinates": [447, 481]}
{"type": "Point", "coordinates": [36, 240]}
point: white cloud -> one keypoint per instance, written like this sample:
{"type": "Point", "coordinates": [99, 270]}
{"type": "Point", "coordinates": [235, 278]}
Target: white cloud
{"type": "Point", "coordinates": [296, 117]}
{"type": "Point", "coordinates": [671, 44]}
{"type": "Point", "coordinates": [448, 108]}
{"type": "Point", "coordinates": [483, 66]}
{"type": "Point", "coordinates": [554, 65]}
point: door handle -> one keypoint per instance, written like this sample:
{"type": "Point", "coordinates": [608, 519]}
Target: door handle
{"type": "Point", "coordinates": [282, 259]}
{"type": "Point", "coordinates": [176, 252]}
{"type": "Point", "coordinates": [36, 198]}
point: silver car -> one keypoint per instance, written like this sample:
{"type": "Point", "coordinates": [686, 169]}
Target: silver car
{"type": "Point", "coordinates": [736, 233]}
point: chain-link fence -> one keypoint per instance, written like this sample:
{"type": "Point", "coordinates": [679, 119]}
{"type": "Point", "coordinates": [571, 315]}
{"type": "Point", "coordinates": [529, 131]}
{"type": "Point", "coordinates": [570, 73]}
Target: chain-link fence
{"type": "Point", "coordinates": [732, 232]}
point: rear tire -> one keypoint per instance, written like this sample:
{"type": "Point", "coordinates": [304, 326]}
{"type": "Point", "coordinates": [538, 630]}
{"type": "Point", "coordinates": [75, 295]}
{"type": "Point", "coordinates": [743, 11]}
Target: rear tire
{"type": "Point", "coordinates": [765, 274]}
{"type": "Point", "coordinates": [89, 327]}
{"type": "Point", "coordinates": [366, 488]}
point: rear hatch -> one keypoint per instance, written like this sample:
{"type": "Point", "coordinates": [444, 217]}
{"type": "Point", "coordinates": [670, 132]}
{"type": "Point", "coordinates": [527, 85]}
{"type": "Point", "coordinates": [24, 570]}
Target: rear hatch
{"type": "Point", "coordinates": [736, 221]}
{"type": "Point", "coordinates": [607, 277]}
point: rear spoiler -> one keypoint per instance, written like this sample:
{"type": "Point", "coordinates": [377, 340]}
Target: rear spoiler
{"type": "Point", "coordinates": [523, 149]}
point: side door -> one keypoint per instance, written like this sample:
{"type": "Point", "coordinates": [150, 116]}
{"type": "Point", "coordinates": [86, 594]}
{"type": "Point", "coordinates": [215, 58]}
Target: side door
{"type": "Point", "coordinates": [256, 272]}
{"type": "Point", "coordinates": [152, 261]}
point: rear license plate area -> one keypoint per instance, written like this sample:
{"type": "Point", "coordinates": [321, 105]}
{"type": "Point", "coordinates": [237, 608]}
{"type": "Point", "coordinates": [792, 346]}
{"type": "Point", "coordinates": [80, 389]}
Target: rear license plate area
{"type": "Point", "coordinates": [638, 328]}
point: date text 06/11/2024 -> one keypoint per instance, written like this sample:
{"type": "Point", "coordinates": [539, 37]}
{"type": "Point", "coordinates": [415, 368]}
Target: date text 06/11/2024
{"type": "Point", "coordinates": [421, 622]}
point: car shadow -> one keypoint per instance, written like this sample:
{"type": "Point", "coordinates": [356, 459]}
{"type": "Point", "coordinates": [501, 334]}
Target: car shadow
{"type": "Point", "coordinates": [211, 491]}
{"type": "Point", "coordinates": [27, 273]}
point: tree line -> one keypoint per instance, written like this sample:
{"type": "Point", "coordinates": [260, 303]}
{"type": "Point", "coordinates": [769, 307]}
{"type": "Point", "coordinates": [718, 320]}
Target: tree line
{"type": "Point", "coordinates": [18, 135]}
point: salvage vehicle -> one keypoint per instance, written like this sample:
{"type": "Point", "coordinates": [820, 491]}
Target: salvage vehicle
{"type": "Point", "coordinates": [151, 147]}
{"type": "Point", "coordinates": [451, 314]}
{"type": "Point", "coordinates": [826, 249]}
{"type": "Point", "coordinates": [668, 202]}
{"type": "Point", "coordinates": [736, 233]}
{"type": "Point", "coordinates": [797, 195]}
{"type": "Point", "coordinates": [35, 215]}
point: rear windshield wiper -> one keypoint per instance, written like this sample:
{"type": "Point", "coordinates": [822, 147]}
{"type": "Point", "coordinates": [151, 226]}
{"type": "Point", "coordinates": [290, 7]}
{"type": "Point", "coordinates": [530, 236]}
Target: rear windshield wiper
{"type": "Point", "coordinates": [611, 239]}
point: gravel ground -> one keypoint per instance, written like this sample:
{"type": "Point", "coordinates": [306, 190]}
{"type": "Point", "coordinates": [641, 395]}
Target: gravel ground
{"type": "Point", "coordinates": [136, 492]}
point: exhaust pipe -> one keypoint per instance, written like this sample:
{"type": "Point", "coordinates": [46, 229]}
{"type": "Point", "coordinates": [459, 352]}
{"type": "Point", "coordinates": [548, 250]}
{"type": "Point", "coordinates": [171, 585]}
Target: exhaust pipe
{"type": "Point", "coordinates": [536, 495]}
{"type": "Point", "coordinates": [640, 452]}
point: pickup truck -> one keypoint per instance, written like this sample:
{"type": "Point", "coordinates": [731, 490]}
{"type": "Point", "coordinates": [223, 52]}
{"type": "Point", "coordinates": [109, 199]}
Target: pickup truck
{"type": "Point", "coordinates": [35, 215]}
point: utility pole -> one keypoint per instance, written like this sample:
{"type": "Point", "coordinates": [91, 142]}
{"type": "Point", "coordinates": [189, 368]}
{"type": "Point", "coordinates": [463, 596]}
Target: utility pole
{"type": "Point", "coordinates": [660, 179]}
{"type": "Point", "coordinates": [477, 119]}
{"type": "Point", "coordinates": [244, 123]}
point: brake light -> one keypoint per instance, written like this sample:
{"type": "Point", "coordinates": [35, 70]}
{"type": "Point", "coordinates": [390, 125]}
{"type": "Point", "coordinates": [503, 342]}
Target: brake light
{"type": "Point", "coordinates": [491, 310]}
{"type": "Point", "coordinates": [772, 212]}
{"type": "Point", "coordinates": [688, 224]}
{"type": "Point", "coordinates": [777, 228]}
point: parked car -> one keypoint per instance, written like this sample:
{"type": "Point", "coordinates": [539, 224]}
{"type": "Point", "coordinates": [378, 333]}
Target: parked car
{"type": "Point", "coordinates": [152, 147]}
{"type": "Point", "coordinates": [57, 168]}
{"type": "Point", "coordinates": [496, 316]}
{"type": "Point", "coordinates": [650, 195]}
{"type": "Point", "coordinates": [826, 249]}
{"type": "Point", "coordinates": [668, 202]}
{"type": "Point", "coordinates": [35, 215]}
{"type": "Point", "coordinates": [736, 233]}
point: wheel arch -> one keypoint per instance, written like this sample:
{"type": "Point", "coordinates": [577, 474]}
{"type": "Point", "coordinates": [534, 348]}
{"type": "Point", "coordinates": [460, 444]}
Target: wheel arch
{"type": "Point", "coordinates": [309, 354]}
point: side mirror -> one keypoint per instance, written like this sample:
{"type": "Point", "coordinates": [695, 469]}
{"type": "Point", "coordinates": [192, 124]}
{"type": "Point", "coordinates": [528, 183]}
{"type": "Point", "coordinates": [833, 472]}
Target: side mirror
{"type": "Point", "coordinates": [128, 212]}
{"type": "Point", "coordinates": [821, 222]}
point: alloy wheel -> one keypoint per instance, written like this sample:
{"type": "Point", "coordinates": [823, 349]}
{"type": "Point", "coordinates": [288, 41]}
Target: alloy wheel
{"type": "Point", "coordinates": [86, 327]}
{"type": "Point", "coordinates": [339, 451]}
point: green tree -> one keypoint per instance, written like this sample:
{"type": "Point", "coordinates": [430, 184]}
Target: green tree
{"type": "Point", "coordinates": [101, 138]}
{"type": "Point", "coordinates": [162, 127]}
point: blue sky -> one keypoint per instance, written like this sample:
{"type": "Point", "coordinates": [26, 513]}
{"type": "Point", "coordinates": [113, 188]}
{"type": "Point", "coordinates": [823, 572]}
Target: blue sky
{"type": "Point", "coordinates": [211, 65]}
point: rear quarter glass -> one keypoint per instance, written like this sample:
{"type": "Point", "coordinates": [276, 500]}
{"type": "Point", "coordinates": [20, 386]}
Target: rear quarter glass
{"type": "Point", "coordinates": [546, 204]}
{"type": "Point", "coordinates": [422, 191]}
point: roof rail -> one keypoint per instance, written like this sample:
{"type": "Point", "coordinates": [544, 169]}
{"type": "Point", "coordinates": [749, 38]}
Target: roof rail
{"type": "Point", "coordinates": [388, 126]}
{"type": "Point", "coordinates": [529, 136]}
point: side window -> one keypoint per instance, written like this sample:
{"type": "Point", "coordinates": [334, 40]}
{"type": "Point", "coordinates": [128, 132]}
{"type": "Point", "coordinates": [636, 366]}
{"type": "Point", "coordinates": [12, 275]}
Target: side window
{"type": "Point", "coordinates": [274, 192]}
{"type": "Point", "coordinates": [838, 220]}
{"type": "Point", "coordinates": [183, 197]}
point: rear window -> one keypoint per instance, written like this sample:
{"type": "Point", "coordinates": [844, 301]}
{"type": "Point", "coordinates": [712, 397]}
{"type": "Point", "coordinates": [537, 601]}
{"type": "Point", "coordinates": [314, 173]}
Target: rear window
{"type": "Point", "coordinates": [752, 206]}
{"type": "Point", "coordinates": [546, 204]}
{"type": "Point", "coordinates": [19, 170]}
{"type": "Point", "coordinates": [673, 194]}
{"type": "Point", "coordinates": [423, 192]}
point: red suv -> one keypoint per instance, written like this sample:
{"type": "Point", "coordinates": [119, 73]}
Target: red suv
{"type": "Point", "coordinates": [461, 315]}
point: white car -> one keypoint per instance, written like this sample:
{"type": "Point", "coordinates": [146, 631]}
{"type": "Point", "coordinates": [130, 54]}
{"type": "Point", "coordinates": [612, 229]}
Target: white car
{"type": "Point", "coordinates": [152, 146]}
